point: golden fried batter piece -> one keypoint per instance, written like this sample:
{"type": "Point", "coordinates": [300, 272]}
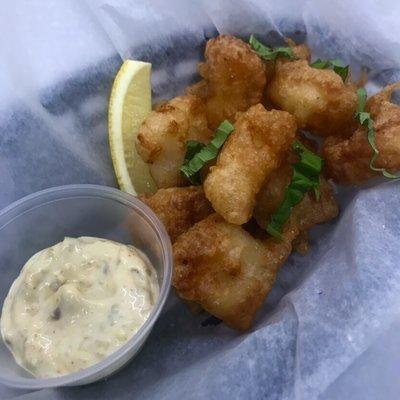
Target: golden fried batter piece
{"type": "Point", "coordinates": [162, 137]}
{"type": "Point", "coordinates": [223, 268]}
{"type": "Point", "coordinates": [272, 194]}
{"type": "Point", "coordinates": [234, 78]}
{"type": "Point", "coordinates": [229, 273]}
{"type": "Point", "coordinates": [307, 213]}
{"type": "Point", "coordinates": [321, 102]}
{"type": "Point", "coordinates": [300, 51]}
{"type": "Point", "coordinates": [310, 211]}
{"type": "Point", "coordinates": [348, 160]}
{"type": "Point", "coordinates": [178, 208]}
{"type": "Point", "coordinates": [198, 89]}
{"type": "Point", "coordinates": [253, 151]}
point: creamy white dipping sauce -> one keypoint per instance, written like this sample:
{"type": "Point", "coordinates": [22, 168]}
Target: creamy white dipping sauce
{"type": "Point", "coordinates": [75, 303]}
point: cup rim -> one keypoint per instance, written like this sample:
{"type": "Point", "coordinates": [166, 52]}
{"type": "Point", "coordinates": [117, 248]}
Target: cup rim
{"type": "Point", "coordinates": [29, 202]}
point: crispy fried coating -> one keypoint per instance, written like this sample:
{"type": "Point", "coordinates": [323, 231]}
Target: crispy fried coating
{"type": "Point", "coordinates": [228, 272]}
{"type": "Point", "coordinates": [234, 78]}
{"type": "Point", "coordinates": [307, 213]}
{"type": "Point", "coordinates": [223, 268]}
{"type": "Point", "coordinates": [348, 160]}
{"type": "Point", "coordinates": [253, 151]}
{"type": "Point", "coordinates": [178, 208]}
{"type": "Point", "coordinates": [272, 194]}
{"type": "Point", "coordinates": [310, 211]}
{"type": "Point", "coordinates": [162, 137]}
{"type": "Point", "coordinates": [300, 51]}
{"type": "Point", "coordinates": [321, 102]}
{"type": "Point", "coordinates": [198, 89]}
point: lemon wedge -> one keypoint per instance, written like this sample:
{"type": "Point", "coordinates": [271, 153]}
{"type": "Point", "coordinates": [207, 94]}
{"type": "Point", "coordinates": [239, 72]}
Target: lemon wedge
{"type": "Point", "coordinates": [130, 103]}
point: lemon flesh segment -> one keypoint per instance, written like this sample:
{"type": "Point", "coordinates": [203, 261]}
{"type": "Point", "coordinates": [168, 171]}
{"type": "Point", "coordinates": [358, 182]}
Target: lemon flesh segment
{"type": "Point", "coordinates": [130, 103]}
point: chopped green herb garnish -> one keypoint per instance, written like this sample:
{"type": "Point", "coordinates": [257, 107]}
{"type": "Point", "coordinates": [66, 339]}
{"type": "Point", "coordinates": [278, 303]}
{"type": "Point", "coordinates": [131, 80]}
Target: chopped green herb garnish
{"type": "Point", "coordinates": [361, 101]}
{"type": "Point", "coordinates": [364, 118]}
{"type": "Point", "coordinates": [192, 148]}
{"type": "Point", "coordinates": [198, 154]}
{"type": "Point", "coordinates": [270, 53]}
{"type": "Point", "coordinates": [342, 71]}
{"type": "Point", "coordinates": [305, 177]}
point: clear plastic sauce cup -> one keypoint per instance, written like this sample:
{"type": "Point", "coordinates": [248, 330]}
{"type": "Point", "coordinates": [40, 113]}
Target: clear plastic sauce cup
{"type": "Point", "coordinates": [44, 219]}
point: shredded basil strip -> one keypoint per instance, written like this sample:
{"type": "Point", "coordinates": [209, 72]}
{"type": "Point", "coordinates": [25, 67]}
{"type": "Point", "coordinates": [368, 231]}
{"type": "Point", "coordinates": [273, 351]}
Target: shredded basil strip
{"type": "Point", "coordinates": [270, 53]}
{"type": "Point", "coordinates": [305, 177]}
{"type": "Point", "coordinates": [364, 118]}
{"type": "Point", "coordinates": [198, 154]}
{"type": "Point", "coordinates": [192, 148]}
{"type": "Point", "coordinates": [336, 65]}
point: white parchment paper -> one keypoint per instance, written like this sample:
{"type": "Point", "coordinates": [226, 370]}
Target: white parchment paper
{"type": "Point", "coordinates": [329, 328]}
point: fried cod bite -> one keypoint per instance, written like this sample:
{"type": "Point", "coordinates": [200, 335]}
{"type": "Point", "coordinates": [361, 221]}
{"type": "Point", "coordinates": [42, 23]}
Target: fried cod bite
{"type": "Point", "coordinates": [162, 137]}
{"type": "Point", "coordinates": [178, 208]}
{"type": "Point", "coordinates": [228, 272]}
{"type": "Point", "coordinates": [234, 78]}
{"type": "Point", "coordinates": [347, 160]}
{"type": "Point", "coordinates": [321, 102]}
{"type": "Point", "coordinates": [253, 151]}
{"type": "Point", "coordinates": [300, 51]}
{"type": "Point", "coordinates": [271, 194]}
{"type": "Point", "coordinates": [305, 215]}
{"type": "Point", "coordinates": [224, 269]}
